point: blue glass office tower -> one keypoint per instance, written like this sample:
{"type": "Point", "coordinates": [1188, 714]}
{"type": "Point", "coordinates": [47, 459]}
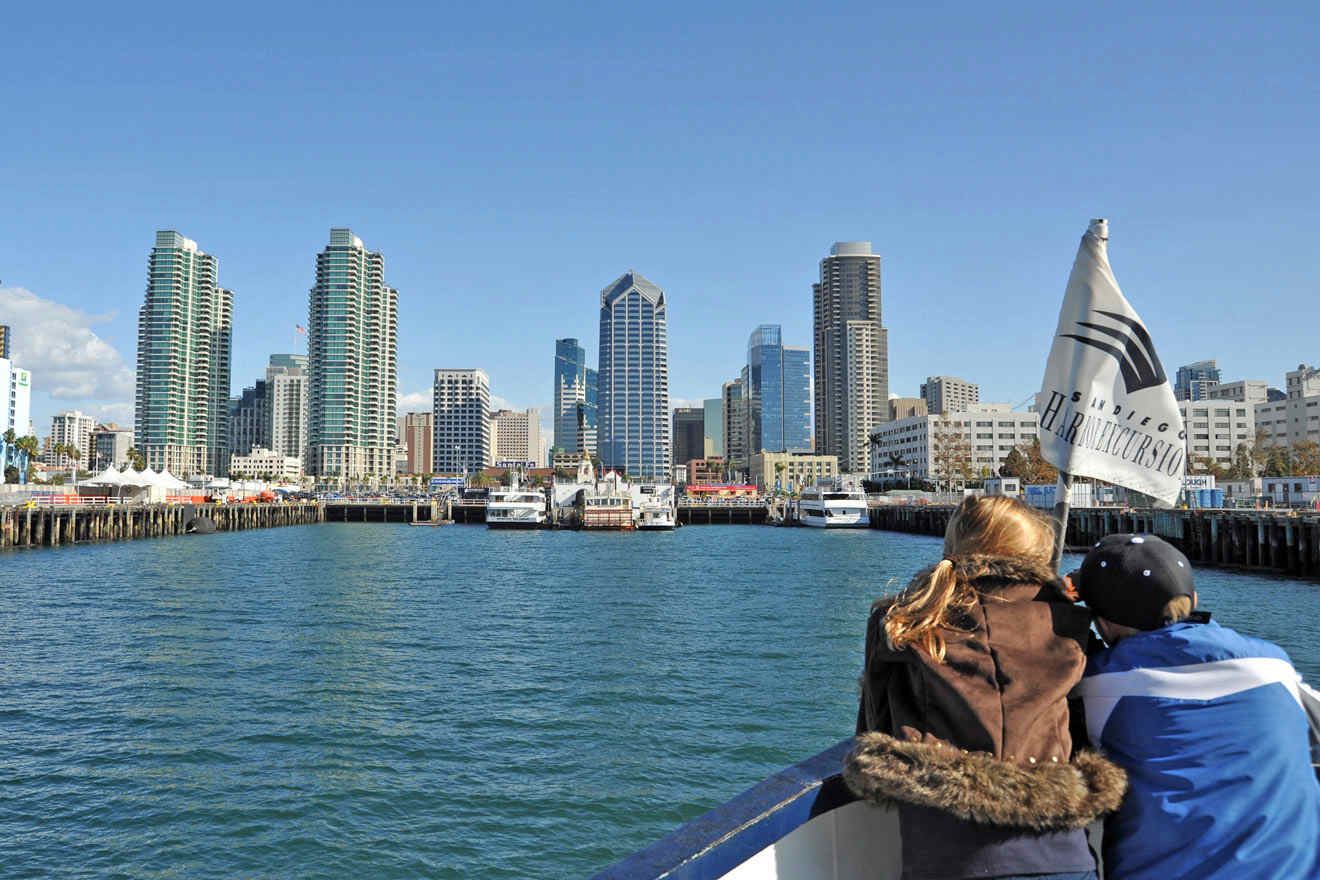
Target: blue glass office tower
{"type": "Point", "coordinates": [777, 389]}
{"type": "Point", "coordinates": [634, 378]}
{"type": "Point", "coordinates": [576, 399]}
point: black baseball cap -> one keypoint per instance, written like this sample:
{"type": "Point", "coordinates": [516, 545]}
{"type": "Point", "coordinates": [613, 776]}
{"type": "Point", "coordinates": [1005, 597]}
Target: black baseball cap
{"type": "Point", "coordinates": [1130, 578]}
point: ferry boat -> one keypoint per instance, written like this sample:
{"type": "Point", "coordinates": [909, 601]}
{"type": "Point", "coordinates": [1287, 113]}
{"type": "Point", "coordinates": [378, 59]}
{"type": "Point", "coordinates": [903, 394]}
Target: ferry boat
{"type": "Point", "coordinates": [833, 504]}
{"type": "Point", "coordinates": [654, 507]}
{"type": "Point", "coordinates": [515, 508]}
{"type": "Point", "coordinates": [607, 505]}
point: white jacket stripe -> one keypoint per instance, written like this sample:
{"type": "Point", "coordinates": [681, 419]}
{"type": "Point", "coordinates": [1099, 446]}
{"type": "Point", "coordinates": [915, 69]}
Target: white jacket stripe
{"type": "Point", "coordinates": [1197, 681]}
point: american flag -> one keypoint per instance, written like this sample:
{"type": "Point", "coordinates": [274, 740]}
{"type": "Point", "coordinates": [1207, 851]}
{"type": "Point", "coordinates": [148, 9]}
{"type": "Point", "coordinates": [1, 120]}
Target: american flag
{"type": "Point", "coordinates": [300, 328]}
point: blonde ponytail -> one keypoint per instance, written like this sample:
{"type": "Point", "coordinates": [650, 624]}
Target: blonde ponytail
{"type": "Point", "coordinates": [918, 615]}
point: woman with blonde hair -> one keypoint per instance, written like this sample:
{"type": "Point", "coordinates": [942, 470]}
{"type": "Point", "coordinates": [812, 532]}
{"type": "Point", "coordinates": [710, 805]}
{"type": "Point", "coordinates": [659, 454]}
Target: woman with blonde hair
{"type": "Point", "coordinates": [963, 722]}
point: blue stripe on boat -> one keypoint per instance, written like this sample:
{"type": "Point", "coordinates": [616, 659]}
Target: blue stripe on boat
{"type": "Point", "coordinates": [715, 843]}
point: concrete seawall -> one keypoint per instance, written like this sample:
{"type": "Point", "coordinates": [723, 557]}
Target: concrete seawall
{"type": "Point", "coordinates": [1287, 542]}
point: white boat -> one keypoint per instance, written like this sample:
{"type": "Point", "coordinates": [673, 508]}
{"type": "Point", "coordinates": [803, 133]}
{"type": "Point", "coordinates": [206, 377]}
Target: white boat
{"type": "Point", "coordinates": [653, 507]}
{"type": "Point", "coordinates": [833, 504]}
{"type": "Point", "coordinates": [515, 509]}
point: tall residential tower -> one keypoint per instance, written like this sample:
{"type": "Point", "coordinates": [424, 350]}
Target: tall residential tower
{"type": "Point", "coordinates": [461, 429]}
{"type": "Point", "coordinates": [634, 378]}
{"type": "Point", "coordinates": [852, 354]}
{"type": "Point", "coordinates": [352, 353]}
{"type": "Point", "coordinates": [185, 325]}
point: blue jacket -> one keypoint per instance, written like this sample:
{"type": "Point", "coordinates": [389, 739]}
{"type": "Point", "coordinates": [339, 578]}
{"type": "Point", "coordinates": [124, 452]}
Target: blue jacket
{"type": "Point", "coordinates": [1209, 727]}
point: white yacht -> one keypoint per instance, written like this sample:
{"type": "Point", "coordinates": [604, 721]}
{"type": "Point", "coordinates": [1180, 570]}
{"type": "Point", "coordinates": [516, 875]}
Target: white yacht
{"type": "Point", "coordinates": [515, 509]}
{"type": "Point", "coordinates": [653, 507]}
{"type": "Point", "coordinates": [833, 504]}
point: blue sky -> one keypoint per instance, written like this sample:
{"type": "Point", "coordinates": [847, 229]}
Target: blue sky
{"type": "Point", "coordinates": [512, 160]}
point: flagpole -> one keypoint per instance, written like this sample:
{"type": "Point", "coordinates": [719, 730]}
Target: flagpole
{"type": "Point", "coordinates": [1062, 493]}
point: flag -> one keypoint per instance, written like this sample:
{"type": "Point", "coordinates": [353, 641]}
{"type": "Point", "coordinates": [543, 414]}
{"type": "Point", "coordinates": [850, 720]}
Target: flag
{"type": "Point", "coordinates": [1106, 408]}
{"type": "Point", "coordinates": [300, 328]}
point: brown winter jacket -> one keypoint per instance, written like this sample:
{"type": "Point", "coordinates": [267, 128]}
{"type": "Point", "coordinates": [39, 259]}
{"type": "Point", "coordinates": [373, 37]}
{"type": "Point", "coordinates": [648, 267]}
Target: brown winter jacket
{"type": "Point", "coordinates": [984, 735]}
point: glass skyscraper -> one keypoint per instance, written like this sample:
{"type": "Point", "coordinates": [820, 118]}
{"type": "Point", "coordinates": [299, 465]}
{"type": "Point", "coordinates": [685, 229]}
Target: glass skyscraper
{"type": "Point", "coordinates": [352, 353]}
{"type": "Point", "coordinates": [576, 399]}
{"type": "Point", "coordinates": [185, 325]}
{"type": "Point", "coordinates": [1196, 381]}
{"type": "Point", "coordinates": [634, 378]}
{"type": "Point", "coordinates": [777, 388]}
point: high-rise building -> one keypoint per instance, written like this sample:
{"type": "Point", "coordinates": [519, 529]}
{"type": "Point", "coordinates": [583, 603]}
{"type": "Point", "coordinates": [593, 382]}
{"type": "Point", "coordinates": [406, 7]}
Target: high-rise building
{"type": "Point", "coordinates": [1196, 381]}
{"type": "Point", "coordinates": [575, 398]}
{"type": "Point", "coordinates": [286, 406]}
{"type": "Point", "coordinates": [460, 422]}
{"type": "Point", "coordinates": [352, 353]}
{"type": "Point", "coordinates": [734, 410]}
{"type": "Point", "coordinates": [184, 336]}
{"type": "Point", "coordinates": [419, 440]}
{"type": "Point", "coordinates": [516, 435]}
{"type": "Point", "coordinates": [5, 334]}
{"type": "Point", "coordinates": [73, 429]}
{"type": "Point", "coordinates": [949, 394]}
{"type": "Point", "coordinates": [714, 410]}
{"type": "Point", "coordinates": [851, 354]}
{"type": "Point", "coordinates": [777, 387]}
{"type": "Point", "coordinates": [634, 378]}
{"type": "Point", "coordinates": [249, 420]}
{"type": "Point", "coordinates": [689, 433]}
{"type": "Point", "coordinates": [16, 408]}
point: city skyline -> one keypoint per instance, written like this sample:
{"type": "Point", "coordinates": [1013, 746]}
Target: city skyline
{"type": "Point", "coordinates": [971, 161]}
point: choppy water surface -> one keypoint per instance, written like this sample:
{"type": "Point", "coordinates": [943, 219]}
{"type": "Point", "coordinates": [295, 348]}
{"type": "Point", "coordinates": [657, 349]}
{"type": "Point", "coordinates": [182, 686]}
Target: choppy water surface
{"type": "Point", "coordinates": [384, 701]}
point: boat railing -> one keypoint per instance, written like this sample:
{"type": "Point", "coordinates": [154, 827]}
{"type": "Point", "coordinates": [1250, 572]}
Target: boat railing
{"type": "Point", "coordinates": [769, 822]}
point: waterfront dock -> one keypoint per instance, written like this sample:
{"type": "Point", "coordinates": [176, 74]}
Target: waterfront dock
{"type": "Point", "coordinates": [1284, 541]}
{"type": "Point", "coordinates": [58, 525]}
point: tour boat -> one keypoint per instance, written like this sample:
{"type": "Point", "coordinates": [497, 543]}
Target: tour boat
{"type": "Point", "coordinates": [654, 507]}
{"type": "Point", "coordinates": [515, 509]}
{"type": "Point", "coordinates": [833, 504]}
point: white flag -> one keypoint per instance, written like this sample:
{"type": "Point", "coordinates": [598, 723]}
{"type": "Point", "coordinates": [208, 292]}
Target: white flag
{"type": "Point", "coordinates": [1106, 408]}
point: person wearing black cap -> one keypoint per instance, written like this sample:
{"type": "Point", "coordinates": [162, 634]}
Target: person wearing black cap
{"type": "Point", "coordinates": [1207, 722]}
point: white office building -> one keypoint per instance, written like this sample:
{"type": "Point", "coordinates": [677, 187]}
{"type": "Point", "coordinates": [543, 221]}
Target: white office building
{"type": "Point", "coordinates": [266, 464]}
{"type": "Point", "coordinates": [1296, 418]}
{"type": "Point", "coordinates": [17, 408]}
{"type": "Point", "coordinates": [1215, 429]}
{"type": "Point", "coordinates": [1242, 391]}
{"type": "Point", "coordinates": [460, 428]}
{"type": "Point", "coordinates": [990, 430]}
{"type": "Point", "coordinates": [286, 405]}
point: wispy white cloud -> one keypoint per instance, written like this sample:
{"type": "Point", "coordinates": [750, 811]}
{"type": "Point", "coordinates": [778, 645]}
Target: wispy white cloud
{"type": "Point", "coordinates": [68, 360]}
{"type": "Point", "coordinates": [418, 401]}
{"type": "Point", "coordinates": [121, 413]}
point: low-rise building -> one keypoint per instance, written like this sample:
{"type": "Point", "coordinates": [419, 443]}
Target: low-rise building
{"type": "Point", "coordinates": [567, 460]}
{"type": "Point", "coordinates": [111, 444]}
{"type": "Point", "coordinates": [990, 431]}
{"type": "Point", "coordinates": [1243, 391]}
{"type": "Point", "coordinates": [1297, 418]}
{"type": "Point", "coordinates": [799, 469]}
{"type": "Point", "coordinates": [702, 471]}
{"type": "Point", "coordinates": [1215, 429]}
{"type": "Point", "coordinates": [266, 464]}
{"type": "Point", "coordinates": [907, 407]}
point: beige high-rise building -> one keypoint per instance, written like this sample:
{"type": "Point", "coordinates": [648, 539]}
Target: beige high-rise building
{"type": "Point", "coordinates": [181, 420]}
{"type": "Point", "coordinates": [352, 351]}
{"type": "Point", "coordinates": [517, 437]}
{"type": "Point", "coordinates": [851, 358]}
{"type": "Point", "coordinates": [949, 394]}
{"type": "Point", "coordinates": [73, 429]}
{"type": "Point", "coordinates": [906, 408]}
{"type": "Point", "coordinates": [419, 441]}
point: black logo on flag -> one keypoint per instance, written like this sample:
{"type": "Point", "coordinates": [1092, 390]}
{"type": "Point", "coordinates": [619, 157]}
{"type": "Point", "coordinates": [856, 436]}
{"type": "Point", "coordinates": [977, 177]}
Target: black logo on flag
{"type": "Point", "coordinates": [1132, 349]}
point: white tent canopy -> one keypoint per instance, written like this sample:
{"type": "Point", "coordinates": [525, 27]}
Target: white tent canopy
{"type": "Point", "coordinates": [108, 477]}
{"type": "Point", "coordinates": [169, 481]}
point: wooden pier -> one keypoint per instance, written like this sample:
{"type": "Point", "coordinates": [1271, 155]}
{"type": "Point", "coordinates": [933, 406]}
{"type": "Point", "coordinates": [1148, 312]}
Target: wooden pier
{"type": "Point", "coordinates": [1287, 542]}
{"type": "Point", "coordinates": [58, 525]}
{"type": "Point", "coordinates": [727, 513]}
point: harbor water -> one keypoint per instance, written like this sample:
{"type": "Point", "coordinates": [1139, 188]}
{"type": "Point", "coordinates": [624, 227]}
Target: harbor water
{"type": "Point", "coordinates": [383, 701]}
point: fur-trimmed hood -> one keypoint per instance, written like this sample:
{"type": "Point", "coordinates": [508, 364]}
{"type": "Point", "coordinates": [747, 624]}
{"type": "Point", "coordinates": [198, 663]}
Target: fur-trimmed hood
{"type": "Point", "coordinates": [977, 787]}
